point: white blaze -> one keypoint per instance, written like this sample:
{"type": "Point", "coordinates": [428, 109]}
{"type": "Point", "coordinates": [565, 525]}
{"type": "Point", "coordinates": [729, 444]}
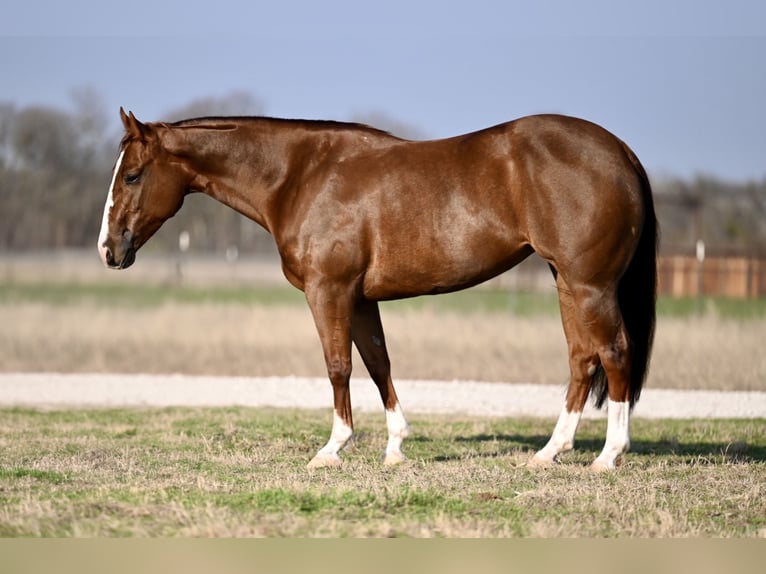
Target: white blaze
{"type": "Point", "coordinates": [109, 203]}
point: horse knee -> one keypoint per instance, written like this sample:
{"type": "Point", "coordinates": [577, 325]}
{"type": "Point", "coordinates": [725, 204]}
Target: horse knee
{"type": "Point", "coordinates": [339, 370]}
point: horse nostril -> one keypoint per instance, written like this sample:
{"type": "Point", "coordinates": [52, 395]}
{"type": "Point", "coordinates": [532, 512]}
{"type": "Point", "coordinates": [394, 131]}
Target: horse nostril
{"type": "Point", "coordinates": [110, 258]}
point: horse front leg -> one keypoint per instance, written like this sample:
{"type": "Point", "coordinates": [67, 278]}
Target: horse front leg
{"type": "Point", "coordinates": [367, 333]}
{"type": "Point", "coordinates": [332, 307]}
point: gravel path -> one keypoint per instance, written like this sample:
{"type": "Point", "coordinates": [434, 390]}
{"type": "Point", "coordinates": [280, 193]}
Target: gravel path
{"type": "Point", "coordinates": [47, 390]}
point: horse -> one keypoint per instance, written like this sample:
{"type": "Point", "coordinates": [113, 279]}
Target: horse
{"type": "Point", "coordinates": [361, 216]}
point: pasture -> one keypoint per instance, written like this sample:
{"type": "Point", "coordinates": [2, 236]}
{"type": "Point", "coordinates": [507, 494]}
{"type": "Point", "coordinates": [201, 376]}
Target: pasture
{"type": "Point", "coordinates": [241, 471]}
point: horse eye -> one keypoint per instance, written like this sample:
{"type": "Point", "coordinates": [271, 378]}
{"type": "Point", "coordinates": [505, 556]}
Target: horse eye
{"type": "Point", "coordinates": [132, 178]}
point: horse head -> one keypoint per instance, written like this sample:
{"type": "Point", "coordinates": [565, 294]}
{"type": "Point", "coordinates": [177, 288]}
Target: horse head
{"type": "Point", "coordinates": [148, 187]}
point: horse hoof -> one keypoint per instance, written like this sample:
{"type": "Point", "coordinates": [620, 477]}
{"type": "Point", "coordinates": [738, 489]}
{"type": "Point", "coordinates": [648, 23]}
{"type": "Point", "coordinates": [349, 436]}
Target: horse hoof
{"type": "Point", "coordinates": [540, 462]}
{"type": "Point", "coordinates": [605, 465]}
{"type": "Point", "coordinates": [324, 461]}
{"type": "Point", "coordinates": [600, 466]}
{"type": "Point", "coordinates": [392, 458]}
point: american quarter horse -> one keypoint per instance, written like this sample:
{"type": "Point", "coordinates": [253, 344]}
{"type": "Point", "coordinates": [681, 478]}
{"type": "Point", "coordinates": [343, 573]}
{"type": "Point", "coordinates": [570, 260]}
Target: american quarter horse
{"type": "Point", "coordinates": [360, 216]}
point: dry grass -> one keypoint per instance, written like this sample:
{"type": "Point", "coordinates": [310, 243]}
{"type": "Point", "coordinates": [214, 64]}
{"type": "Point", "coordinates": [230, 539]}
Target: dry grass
{"type": "Point", "coordinates": [705, 352]}
{"type": "Point", "coordinates": [240, 472]}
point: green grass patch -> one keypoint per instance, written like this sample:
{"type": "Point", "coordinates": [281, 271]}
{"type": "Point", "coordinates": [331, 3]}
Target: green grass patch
{"type": "Point", "coordinates": [61, 294]}
{"type": "Point", "coordinates": [738, 309]}
{"type": "Point", "coordinates": [241, 472]}
{"type": "Point", "coordinates": [467, 301]}
{"type": "Point", "coordinates": [128, 295]}
{"type": "Point", "coordinates": [482, 300]}
{"type": "Point", "coordinates": [41, 475]}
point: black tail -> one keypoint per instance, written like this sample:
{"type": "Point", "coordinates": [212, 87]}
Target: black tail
{"type": "Point", "coordinates": [637, 297]}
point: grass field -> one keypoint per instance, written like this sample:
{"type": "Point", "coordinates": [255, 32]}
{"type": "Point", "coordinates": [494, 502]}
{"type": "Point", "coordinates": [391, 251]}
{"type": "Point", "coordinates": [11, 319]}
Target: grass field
{"type": "Point", "coordinates": [241, 472]}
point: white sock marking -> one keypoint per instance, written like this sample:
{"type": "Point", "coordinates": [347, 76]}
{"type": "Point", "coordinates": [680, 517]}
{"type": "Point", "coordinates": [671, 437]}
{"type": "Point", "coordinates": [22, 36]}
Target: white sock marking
{"type": "Point", "coordinates": [617, 434]}
{"type": "Point", "coordinates": [340, 435]}
{"type": "Point", "coordinates": [562, 438]}
{"type": "Point", "coordinates": [398, 430]}
{"type": "Point", "coordinates": [102, 236]}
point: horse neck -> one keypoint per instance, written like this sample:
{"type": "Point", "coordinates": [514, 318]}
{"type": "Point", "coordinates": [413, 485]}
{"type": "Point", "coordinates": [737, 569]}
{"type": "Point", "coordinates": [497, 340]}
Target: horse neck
{"type": "Point", "coordinates": [229, 163]}
{"type": "Point", "coordinates": [250, 164]}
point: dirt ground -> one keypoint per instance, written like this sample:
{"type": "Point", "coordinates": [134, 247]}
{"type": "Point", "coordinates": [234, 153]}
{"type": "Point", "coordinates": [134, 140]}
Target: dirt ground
{"type": "Point", "coordinates": [218, 339]}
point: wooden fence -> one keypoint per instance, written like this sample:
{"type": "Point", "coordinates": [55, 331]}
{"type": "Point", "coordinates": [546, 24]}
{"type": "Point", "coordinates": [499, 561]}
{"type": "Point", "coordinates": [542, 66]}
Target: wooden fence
{"type": "Point", "coordinates": [739, 277]}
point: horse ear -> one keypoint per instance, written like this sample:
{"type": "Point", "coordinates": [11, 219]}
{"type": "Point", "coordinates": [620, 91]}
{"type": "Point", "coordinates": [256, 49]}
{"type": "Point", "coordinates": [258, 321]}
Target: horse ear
{"type": "Point", "coordinates": [132, 126]}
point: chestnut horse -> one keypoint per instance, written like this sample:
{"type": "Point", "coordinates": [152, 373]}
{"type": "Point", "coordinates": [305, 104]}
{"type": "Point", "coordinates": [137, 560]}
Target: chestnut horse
{"type": "Point", "coordinates": [361, 216]}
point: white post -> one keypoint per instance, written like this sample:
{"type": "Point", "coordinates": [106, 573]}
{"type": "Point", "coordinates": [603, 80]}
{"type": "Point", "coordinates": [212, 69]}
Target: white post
{"type": "Point", "coordinates": [700, 283]}
{"type": "Point", "coordinates": [184, 240]}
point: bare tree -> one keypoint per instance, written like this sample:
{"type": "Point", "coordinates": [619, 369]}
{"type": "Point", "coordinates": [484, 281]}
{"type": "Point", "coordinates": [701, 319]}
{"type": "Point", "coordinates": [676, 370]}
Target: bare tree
{"type": "Point", "coordinates": [7, 113]}
{"type": "Point", "coordinates": [91, 122]}
{"type": "Point", "coordinates": [43, 138]}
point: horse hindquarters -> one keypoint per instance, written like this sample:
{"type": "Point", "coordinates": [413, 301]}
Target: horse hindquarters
{"type": "Point", "coordinates": [608, 312]}
{"type": "Point", "coordinates": [636, 301]}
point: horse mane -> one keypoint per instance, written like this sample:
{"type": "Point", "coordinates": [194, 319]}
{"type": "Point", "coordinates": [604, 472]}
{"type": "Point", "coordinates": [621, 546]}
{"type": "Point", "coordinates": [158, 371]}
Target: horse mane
{"type": "Point", "coordinates": [229, 121]}
{"type": "Point", "coordinates": [307, 124]}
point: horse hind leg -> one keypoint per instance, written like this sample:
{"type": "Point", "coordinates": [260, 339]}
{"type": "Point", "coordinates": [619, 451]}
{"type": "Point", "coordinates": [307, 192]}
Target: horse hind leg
{"type": "Point", "coordinates": [583, 364]}
{"type": "Point", "coordinates": [367, 334]}
{"type": "Point", "coordinates": [600, 310]}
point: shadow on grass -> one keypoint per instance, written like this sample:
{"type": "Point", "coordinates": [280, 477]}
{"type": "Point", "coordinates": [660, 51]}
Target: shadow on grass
{"type": "Point", "coordinates": [738, 452]}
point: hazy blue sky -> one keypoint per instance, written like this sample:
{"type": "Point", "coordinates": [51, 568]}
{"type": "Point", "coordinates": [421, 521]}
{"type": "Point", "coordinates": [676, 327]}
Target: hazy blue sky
{"type": "Point", "coordinates": [684, 83]}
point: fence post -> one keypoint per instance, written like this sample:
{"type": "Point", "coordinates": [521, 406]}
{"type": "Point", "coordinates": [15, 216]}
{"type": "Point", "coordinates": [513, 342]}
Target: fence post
{"type": "Point", "coordinates": [184, 240]}
{"type": "Point", "coordinates": [700, 279]}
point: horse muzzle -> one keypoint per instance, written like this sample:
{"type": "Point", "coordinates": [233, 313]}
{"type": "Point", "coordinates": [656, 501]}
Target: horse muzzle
{"type": "Point", "coordinates": [121, 255]}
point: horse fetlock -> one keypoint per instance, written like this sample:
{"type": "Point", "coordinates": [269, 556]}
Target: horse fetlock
{"type": "Point", "coordinates": [398, 427]}
{"type": "Point", "coordinates": [399, 432]}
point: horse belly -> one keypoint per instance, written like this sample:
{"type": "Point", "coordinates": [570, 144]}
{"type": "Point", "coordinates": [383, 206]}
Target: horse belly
{"type": "Point", "coordinates": [422, 268]}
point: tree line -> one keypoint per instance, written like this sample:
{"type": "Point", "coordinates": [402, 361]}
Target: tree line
{"type": "Point", "coordinates": [55, 168]}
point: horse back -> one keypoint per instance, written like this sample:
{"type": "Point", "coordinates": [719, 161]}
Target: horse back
{"type": "Point", "coordinates": [409, 218]}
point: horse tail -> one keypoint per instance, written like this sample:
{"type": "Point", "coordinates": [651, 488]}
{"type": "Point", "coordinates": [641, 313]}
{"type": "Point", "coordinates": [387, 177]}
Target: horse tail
{"type": "Point", "coordinates": [637, 296]}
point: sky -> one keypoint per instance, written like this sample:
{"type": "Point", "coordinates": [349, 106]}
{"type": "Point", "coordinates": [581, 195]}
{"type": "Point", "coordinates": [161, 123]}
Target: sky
{"type": "Point", "coordinates": [682, 82]}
